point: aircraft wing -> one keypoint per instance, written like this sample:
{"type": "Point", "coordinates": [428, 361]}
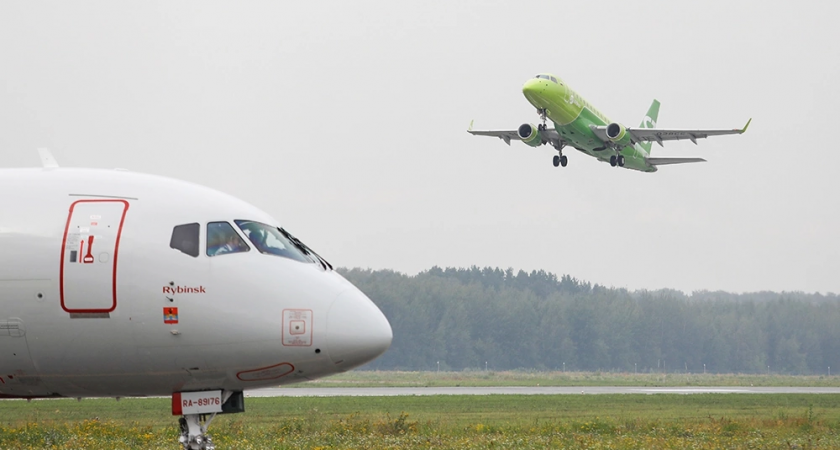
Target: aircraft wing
{"type": "Point", "coordinates": [666, 161]}
{"type": "Point", "coordinates": [550, 135]}
{"type": "Point", "coordinates": [505, 135]}
{"type": "Point", "coordinates": [659, 135]}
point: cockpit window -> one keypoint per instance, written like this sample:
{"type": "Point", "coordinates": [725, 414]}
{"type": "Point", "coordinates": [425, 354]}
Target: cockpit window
{"type": "Point", "coordinates": [547, 77]}
{"type": "Point", "coordinates": [185, 239]}
{"type": "Point", "coordinates": [270, 241]}
{"type": "Point", "coordinates": [222, 239]}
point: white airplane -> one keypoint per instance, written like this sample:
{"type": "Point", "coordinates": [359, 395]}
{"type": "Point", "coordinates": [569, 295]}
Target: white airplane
{"type": "Point", "coordinates": [119, 284]}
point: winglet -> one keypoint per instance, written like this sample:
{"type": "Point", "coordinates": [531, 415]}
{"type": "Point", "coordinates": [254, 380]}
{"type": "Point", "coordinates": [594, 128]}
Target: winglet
{"type": "Point", "coordinates": [471, 124]}
{"type": "Point", "coordinates": [47, 159]}
{"type": "Point", "coordinates": [743, 130]}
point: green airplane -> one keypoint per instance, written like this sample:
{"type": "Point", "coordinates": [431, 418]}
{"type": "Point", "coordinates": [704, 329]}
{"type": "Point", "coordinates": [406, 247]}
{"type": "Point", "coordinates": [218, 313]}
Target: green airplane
{"type": "Point", "coordinates": [580, 125]}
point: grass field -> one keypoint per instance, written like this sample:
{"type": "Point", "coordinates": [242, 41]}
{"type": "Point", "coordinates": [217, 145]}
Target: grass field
{"type": "Point", "coordinates": [713, 421]}
{"type": "Point", "coordinates": [360, 378]}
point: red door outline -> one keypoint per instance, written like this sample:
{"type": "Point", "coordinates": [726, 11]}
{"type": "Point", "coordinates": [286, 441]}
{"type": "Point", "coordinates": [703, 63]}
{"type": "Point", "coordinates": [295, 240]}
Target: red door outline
{"type": "Point", "coordinates": [269, 374]}
{"type": "Point", "coordinates": [116, 253]}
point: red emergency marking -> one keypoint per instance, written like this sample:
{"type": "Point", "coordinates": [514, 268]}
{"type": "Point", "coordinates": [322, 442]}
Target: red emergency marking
{"type": "Point", "coordinates": [296, 333]}
{"type": "Point", "coordinates": [266, 373]}
{"type": "Point", "coordinates": [89, 257]}
{"type": "Point", "coordinates": [176, 404]}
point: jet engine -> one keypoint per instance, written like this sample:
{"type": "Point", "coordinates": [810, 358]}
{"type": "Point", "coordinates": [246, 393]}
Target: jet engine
{"type": "Point", "coordinates": [530, 135]}
{"type": "Point", "coordinates": [618, 134]}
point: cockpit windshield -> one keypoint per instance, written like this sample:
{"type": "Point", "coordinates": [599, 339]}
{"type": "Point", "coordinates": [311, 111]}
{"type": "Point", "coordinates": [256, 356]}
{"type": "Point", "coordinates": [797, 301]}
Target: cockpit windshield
{"type": "Point", "coordinates": [270, 241]}
{"type": "Point", "coordinates": [547, 77]}
{"type": "Point", "coordinates": [222, 240]}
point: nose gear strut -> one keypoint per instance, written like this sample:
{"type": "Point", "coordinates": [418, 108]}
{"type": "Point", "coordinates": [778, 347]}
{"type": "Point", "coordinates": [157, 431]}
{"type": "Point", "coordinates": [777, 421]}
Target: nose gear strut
{"type": "Point", "coordinates": [559, 159]}
{"type": "Point", "coordinates": [541, 112]}
{"type": "Point", "coordinates": [194, 432]}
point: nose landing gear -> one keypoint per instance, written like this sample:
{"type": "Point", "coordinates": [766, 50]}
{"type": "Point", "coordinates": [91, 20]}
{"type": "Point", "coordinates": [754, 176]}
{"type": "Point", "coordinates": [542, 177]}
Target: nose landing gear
{"type": "Point", "coordinates": [559, 159]}
{"type": "Point", "coordinates": [198, 409]}
{"type": "Point", "coordinates": [542, 126]}
{"type": "Point", "coordinates": [194, 432]}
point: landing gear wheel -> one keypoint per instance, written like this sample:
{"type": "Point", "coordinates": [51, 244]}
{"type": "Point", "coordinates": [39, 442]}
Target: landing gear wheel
{"type": "Point", "coordinates": [613, 160]}
{"type": "Point", "coordinates": [563, 161]}
{"type": "Point", "coordinates": [620, 160]}
{"type": "Point", "coordinates": [557, 160]}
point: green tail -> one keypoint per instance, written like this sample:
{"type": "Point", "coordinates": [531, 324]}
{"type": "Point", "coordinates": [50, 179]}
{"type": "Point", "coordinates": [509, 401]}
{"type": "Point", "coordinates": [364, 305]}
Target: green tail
{"type": "Point", "coordinates": [650, 122]}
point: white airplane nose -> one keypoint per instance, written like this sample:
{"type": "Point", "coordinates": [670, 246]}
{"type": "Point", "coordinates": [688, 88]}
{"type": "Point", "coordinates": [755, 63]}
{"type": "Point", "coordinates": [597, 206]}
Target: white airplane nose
{"type": "Point", "coordinates": [357, 331]}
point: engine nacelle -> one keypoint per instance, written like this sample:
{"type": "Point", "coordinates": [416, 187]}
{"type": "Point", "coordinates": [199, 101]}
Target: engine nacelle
{"type": "Point", "coordinates": [618, 134]}
{"type": "Point", "coordinates": [530, 135]}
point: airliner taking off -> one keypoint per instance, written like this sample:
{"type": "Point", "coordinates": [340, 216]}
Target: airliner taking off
{"type": "Point", "coordinates": [580, 125]}
{"type": "Point", "coordinates": [117, 284]}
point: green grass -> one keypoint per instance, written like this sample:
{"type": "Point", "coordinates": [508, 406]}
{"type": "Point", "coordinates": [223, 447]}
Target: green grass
{"type": "Point", "coordinates": [558, 378]}
{"type": "Point", "coordinates": [496, 421]}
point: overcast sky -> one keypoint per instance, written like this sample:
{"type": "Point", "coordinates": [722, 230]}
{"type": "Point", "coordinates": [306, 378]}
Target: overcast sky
{"type": "Point", "coordinates": [347, 122]}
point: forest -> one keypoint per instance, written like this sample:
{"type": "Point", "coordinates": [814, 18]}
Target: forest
{"type": "Point", "coordinates": [494, 319]}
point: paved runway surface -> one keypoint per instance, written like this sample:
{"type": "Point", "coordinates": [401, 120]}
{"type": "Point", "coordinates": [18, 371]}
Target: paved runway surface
{"type": "Point", "coordinates": [530, 390]}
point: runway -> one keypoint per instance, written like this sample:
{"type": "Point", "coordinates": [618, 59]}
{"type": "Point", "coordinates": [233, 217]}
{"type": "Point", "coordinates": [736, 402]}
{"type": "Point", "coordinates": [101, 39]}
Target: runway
{"type": "Point", "coordinates": [530, 390]}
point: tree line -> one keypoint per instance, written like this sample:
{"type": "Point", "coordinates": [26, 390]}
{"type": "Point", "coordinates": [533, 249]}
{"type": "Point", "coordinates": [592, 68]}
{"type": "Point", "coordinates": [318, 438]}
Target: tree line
{"type": "Point", "coordinates": [472, 318]}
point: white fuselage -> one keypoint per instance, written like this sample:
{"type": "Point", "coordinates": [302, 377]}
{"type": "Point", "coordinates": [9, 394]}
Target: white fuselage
{"type": "Point", "coordinates": [90, 283]}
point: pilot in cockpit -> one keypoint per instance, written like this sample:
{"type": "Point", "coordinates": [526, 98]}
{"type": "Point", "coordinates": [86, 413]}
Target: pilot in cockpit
{"type": "Point", "coordinates": [222, 239]}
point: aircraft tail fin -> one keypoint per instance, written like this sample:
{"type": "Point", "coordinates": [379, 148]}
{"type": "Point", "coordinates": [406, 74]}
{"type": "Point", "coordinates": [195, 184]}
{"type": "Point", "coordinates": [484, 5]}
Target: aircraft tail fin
{"type": "Point", "coordinates": [650, 122]}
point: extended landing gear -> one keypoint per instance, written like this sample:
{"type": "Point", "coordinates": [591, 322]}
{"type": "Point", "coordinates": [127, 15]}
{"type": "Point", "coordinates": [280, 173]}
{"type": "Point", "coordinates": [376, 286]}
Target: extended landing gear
{"type": "Point", "coordinates": [617, 160]}
{"type": "Point", "coordinates": [194, 432]}
{"type": "Point", "coordinates": [197, 410]}
{"type": "Point", "coordinates": [559, 159]}
{"type": "Point", "coordinates": [542, 126]}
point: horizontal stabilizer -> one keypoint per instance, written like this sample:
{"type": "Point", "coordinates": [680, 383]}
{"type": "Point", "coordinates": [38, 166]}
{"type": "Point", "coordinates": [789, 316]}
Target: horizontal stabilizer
{"type": "Point", "coordinates": [666, 161]}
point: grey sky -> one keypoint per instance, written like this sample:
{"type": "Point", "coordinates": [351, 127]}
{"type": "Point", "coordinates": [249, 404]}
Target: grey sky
{"type": "Point", "coordinates": [346, 121]}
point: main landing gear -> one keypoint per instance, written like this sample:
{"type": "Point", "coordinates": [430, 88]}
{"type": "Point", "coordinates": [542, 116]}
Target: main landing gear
{"type": "Point", "coordinates": [559, 159]}
{"type": "Point", "coordinates": [617, 160]}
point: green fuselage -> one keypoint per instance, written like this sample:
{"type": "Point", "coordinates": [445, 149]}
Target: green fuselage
{"type": "Point", "coordinates": [573, 116]}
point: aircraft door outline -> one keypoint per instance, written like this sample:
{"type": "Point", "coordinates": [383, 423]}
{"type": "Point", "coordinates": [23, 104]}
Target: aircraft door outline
{"type": "Point", "coordinates": [89, 249]}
